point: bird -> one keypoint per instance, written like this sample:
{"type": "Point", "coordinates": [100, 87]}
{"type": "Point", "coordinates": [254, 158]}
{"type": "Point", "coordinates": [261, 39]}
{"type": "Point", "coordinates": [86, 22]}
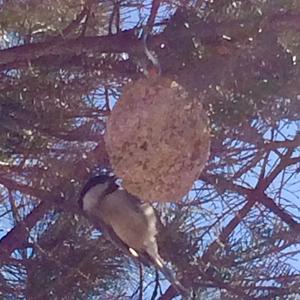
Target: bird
{"type": "Point", "coordinates": [129, 223]}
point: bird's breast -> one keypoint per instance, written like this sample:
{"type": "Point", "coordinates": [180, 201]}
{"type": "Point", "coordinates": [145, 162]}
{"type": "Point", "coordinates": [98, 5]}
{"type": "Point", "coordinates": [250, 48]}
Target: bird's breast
{"type": "Point", "coordinates": [134, 227]}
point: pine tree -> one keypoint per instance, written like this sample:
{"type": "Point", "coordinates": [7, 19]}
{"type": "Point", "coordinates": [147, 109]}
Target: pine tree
{"type": "Point", "coordinates": [63, 65]}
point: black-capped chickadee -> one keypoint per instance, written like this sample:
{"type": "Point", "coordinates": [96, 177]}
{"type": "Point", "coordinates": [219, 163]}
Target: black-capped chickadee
{"type": "Point", "coordinates": [129, 223]}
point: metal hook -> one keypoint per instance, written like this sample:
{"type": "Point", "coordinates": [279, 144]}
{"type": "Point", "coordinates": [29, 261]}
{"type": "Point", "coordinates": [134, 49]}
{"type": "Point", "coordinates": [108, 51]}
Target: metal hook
{"type": "Point", "coordinates": [154, 60]}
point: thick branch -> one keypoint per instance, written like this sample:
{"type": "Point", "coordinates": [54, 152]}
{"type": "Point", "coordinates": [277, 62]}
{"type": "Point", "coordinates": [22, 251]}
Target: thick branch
{"type": "Point", "coordinates": [153, 13]}
{"type": "Point", "coordinates": [259, 194]}
{"type": "Point", "coordinates": [228, 230]}
{"type": "Point", "coordinates": [124, 41]}
{"type": "Point", "coordinates": [18, 235]}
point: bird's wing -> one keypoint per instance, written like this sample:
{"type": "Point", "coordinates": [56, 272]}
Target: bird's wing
{"type": "Point", "coordinates": [110, 234]}
{"type": "Point", "coordinates": [134, 201]}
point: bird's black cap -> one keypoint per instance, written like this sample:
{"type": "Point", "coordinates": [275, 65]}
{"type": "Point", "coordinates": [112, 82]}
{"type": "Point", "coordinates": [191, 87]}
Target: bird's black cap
{"type": "Point", "coordinates": [100, 179]}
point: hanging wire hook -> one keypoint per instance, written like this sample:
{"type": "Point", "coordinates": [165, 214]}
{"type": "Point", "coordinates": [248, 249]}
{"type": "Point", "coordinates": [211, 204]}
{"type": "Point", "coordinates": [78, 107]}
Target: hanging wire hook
{"type": "Point", "coordinates": [156, 69]}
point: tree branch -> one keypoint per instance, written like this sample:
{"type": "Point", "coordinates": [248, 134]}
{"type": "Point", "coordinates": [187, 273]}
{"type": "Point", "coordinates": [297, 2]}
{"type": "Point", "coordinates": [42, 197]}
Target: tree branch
{"type": "Point", "coordinates": [124, 41]}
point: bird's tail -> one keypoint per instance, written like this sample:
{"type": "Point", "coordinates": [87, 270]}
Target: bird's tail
{"type": "Point", "coordinates": [169, 274]}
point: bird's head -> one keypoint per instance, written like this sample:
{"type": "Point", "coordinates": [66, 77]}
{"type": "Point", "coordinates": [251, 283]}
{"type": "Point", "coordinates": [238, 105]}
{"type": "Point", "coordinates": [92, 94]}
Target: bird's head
{"type": "Point", "coordinates": [96, 189]}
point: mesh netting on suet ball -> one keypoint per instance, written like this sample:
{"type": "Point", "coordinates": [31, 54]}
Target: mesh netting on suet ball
{"type": "Point", "coordinates": [157, 139]}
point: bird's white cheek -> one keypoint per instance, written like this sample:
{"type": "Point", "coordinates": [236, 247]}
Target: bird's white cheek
{"type": "Point", "coordinates": [89, 203]}
{"type": "Point", "coordinates": [91, 198]}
